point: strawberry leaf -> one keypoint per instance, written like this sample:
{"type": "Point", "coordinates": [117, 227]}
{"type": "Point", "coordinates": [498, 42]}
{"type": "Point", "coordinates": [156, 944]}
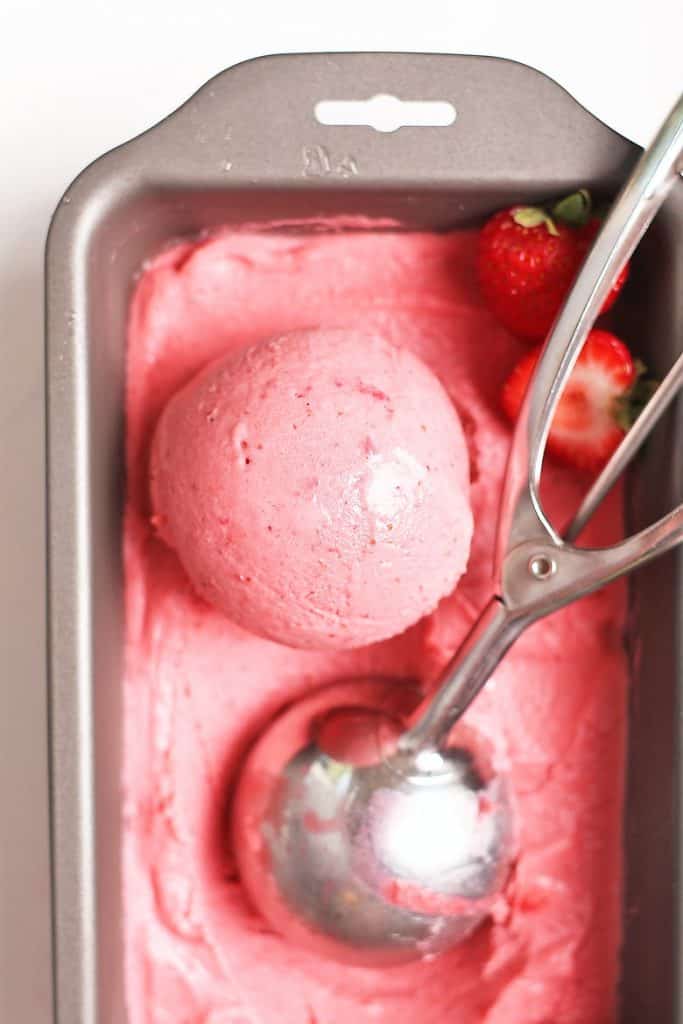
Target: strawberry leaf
{"type": "Point", "coordinates": [629, 406]}
{"type": "Point", "coordinates": [574, 210]}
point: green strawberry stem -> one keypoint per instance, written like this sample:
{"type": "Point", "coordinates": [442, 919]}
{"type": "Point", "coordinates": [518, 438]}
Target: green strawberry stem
{"type": "Point", "coordinates": [533, 217]}
{"type": "Point", "coordinates": [574, 211]}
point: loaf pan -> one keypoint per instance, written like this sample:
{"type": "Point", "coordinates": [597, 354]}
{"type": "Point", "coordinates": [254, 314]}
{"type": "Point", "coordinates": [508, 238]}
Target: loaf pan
{"type": "Point", "coordinates": [246, 149]}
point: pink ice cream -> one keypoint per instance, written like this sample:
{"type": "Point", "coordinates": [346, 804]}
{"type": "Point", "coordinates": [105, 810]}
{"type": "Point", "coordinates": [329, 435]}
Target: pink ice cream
{"type": "Point", "coordinates": [199, 688]}
{"type": "Point", "coordinates": [316, 488]}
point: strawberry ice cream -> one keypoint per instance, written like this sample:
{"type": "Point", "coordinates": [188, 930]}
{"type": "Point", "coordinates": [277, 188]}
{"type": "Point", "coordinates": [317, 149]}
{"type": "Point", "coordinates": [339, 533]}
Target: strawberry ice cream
{"type": "Point", "coordinates": [316, 488]}
{"type": "Point", "coordinates": [199, 688]}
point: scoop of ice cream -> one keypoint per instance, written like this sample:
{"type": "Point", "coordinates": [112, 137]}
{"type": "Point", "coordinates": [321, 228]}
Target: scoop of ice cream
{"type": "Point", "coordinates": [315, 488]}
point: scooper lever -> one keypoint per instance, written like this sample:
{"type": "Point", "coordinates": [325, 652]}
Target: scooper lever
{"type": "Point", "coordinates": [536, 571]}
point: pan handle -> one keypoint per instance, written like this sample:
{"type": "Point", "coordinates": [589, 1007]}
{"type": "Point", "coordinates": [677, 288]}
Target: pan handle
{"type": "Point", "coordinates": [255, 125]}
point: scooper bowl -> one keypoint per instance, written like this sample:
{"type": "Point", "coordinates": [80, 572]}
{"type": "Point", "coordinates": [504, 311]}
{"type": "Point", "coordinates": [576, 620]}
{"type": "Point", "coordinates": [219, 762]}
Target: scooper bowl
{"type": "Point", "coordinates": [378, 834]}
{"type": "Point", "coordinates": [358, 851]}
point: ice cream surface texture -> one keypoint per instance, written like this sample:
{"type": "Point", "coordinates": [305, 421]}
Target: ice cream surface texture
{"type": "Point", "coordinates": [316, 488]}
{"type": "Point", "coordinates": [198, 688]}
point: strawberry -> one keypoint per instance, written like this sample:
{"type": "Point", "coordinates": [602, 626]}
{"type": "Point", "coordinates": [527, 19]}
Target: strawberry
{"type": "Point", "coordinates": [528, 259]}
{"type": "Point", "coordinates": [588, 233]}
{"type": "Point", "coordinates": [600, 401]}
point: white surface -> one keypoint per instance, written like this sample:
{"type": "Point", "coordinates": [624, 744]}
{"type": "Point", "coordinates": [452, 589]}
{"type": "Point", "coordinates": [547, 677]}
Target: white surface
{"type": "Point", "coordinates": [80, 76]}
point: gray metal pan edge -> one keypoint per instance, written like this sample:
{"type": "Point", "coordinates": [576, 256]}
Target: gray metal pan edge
{"type": "Point", "coordinates": [240, 151]}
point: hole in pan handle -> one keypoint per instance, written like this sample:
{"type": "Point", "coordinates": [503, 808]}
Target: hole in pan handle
{"type": "Point", "coordinates": [386, 113]}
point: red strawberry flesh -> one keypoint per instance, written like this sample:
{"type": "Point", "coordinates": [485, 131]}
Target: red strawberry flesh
{"type": "Point", "coordinates": [527, 264]}
{"type": "Point", "coordinates": [585, 429]}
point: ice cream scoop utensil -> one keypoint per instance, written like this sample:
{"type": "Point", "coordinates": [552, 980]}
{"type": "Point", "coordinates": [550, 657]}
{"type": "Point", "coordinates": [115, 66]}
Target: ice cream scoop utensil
{"type": "Point", "coordinates": [377, 836]}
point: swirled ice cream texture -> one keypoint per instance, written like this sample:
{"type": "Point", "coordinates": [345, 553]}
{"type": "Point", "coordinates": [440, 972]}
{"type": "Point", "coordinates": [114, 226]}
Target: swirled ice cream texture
{"type": "Point", "coordinates": [198, 688]}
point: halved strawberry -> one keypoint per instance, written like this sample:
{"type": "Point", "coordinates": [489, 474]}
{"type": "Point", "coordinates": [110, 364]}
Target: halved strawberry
{"type": "Point", "coordinates": [595, 410]}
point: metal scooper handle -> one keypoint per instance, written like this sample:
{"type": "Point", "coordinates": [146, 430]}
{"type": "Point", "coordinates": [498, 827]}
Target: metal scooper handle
{"type": "Point", "coordinates": [537, 571]}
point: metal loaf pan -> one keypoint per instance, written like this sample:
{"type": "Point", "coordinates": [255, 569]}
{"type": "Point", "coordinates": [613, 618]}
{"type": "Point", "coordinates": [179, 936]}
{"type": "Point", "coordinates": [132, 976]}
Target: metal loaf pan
{"type": "Point", "coordinates": [247, 148]}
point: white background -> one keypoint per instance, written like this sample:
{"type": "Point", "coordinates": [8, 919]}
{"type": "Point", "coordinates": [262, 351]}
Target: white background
{"type": "Point", "coordinates": [76, 78]}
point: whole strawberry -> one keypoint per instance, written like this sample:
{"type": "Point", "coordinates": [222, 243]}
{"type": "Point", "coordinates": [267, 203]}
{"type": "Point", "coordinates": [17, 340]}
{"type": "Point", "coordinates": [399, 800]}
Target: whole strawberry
{"type": "Point", "coordinates": [528, 259]}
{"type": "Point", "coordinates": [588, 233]}
{"type": "Point", "coordinates": [603, 396]}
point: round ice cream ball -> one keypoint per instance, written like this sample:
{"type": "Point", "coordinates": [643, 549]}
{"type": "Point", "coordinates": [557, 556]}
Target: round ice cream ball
{"type": "Point", "coordinates": [315, 488]}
